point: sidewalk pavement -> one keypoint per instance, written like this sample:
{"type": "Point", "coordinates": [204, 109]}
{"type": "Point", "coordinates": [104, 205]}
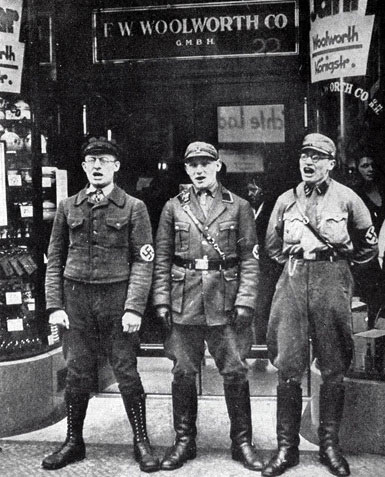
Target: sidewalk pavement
{"type": "Point", "coordinates": [109, 443]}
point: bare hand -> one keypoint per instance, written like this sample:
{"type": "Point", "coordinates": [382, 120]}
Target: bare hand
{"type": "Point", "coordinates": [59, 318]}
{"type": "Point", "coordinates": [131, 322]}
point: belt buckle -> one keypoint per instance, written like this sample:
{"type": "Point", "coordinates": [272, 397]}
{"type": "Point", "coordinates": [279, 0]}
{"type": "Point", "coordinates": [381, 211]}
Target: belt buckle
{"type": "Point", "coordinates": [201, 264]}
{"type": "Point", "coordinates": [309, 255]}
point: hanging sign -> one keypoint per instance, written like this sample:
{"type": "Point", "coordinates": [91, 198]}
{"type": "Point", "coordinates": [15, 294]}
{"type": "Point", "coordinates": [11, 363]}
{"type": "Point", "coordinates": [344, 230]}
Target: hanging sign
{"type": "Point", "coordinates": [11, 49]}
{"type": "Point", "coordinates": [340, 35]}
{"type": "Point", "coordinates": [215, 29]}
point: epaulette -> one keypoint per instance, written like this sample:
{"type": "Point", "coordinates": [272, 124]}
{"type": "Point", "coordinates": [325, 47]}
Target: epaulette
{"type": "Point", "coordinates": [227, 196]}
{"type": "Point", "coordinates": [184, 196]}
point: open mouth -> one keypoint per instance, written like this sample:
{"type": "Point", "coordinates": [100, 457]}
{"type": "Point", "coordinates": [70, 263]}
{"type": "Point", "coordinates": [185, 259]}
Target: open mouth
{"type": "Point", "coordinates": [308, 170]}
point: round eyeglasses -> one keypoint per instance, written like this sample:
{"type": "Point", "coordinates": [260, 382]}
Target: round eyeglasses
{"type": "Point", "coordinates": [102, 160]}
{"type": "Point", "coordinates": [314, 157]}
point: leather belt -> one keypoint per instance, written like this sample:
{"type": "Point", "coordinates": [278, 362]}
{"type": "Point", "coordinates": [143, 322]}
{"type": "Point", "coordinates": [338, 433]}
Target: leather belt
{"type": "Point", "coordinates": [205, 264]}
{"type": "Point", "coordinates": [319, 256]}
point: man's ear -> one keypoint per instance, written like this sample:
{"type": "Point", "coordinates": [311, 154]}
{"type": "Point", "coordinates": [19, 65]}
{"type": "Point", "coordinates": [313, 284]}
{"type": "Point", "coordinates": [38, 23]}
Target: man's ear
{"type": "Point", "coordinates": [116, 166]}
{"type": "Point", "coordinates": [219, 165]}
{"type": "Point", "coordinates": [332, 164]}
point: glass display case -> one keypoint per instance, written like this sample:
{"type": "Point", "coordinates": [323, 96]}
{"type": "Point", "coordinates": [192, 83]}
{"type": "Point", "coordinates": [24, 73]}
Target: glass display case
{"type": "Point", "coordinates": [24, 234]}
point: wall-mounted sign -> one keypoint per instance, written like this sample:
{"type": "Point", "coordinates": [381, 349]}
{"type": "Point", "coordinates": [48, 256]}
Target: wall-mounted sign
{"type": "Point", "coordinates": [215, 29]}
{"type": "Point", "coordinates": [11, 50]}
{"type": "Point", "coordinates": [259, 123]}
{"type": "Point", "coordinates": [340, 35]}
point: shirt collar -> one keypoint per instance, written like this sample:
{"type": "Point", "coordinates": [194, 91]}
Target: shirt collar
{"type": "Point", "coordinates": [106, 190]}
{"type": "Point", "coordinates": [213, 190]}
{"type": "Point", "coordinates": [319, 188]}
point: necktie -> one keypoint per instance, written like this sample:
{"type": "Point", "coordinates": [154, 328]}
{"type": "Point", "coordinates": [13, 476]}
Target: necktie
{"type": "Point", "coordinates": [97, 196]}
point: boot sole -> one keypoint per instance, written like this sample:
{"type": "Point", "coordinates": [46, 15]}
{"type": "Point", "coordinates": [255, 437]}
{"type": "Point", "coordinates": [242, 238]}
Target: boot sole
{"type": "Point", "coordinates": [324, 462]}
{"type": "Point", "coordinates": [239, 459]}
{"type": "Point", "coordinates": [191, 456]}
{"type": "Point", "coordinates": [60, 466]}
{"type": "Point", "coordinates": [275, 474]}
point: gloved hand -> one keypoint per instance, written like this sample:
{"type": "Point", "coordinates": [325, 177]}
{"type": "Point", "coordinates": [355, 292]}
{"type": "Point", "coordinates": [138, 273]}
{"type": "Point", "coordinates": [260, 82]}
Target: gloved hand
{"type": "Point", "coordinates": [243, 317]}
{"type": "Point", "coordinates": [164, 315]}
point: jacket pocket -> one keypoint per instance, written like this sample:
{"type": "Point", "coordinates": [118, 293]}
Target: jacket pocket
{"type": "Point", "coordinates": [228, 234]}
{"type": "Point", "coordinates": [231, 279]}
{"type": "Point", "coordinates": [77, 231]}
{"type": "Point", "coordinates": [293, 227]}
{"type": "Point", "coordinates": [334, 226]}
{"type": "Point", "coordinates": [116, 231]}
{"type": "Point", "coordinates": [182, 236]}
{"type": "Point", "coordinates": [177, 285]}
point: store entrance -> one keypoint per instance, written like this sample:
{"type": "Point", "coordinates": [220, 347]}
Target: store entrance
{"type": "Point", "coordinates": [257, 128]}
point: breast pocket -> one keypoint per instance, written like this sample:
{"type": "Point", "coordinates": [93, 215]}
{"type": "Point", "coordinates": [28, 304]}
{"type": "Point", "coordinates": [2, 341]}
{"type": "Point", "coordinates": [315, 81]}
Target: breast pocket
{"type": "Point", "coordinates": [334, 226]}
{"type": "Point", "coordinates": [228, 232]}
{"type": "Point", "coordinates": [293, 227]}
{"type": "Point", "coordinates": [77, 231]}
{"type": "Point", "coordinates": [117, 231]}
{"type": "Point", "coordinates": [182, 236]}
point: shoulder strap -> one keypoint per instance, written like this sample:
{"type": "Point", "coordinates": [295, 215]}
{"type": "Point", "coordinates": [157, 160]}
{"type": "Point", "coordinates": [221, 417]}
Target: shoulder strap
{"type": "Point", "coordinates": [309, 225]}
{"type": "Point", "coordinates": [184, 202]}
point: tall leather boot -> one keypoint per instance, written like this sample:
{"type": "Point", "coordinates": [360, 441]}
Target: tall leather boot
{"type": "Point", "coordinates": [289, 408]}
{"type": "Point", "coordinates": [136, 412]}
{"type": "Point", "coordinates": [237, 396]}
{"type": "Point", "coordinates": [332, 396]}
{"type": "Point", "coordinates": [185, 406]}
{"type": "Point", "coordinates": [73, 448]}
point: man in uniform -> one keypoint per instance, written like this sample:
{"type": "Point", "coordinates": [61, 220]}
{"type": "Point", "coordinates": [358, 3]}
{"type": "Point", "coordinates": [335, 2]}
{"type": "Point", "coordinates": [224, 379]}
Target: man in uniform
{"type": "Point", "coordinates": [99, 272]}
{"type": "Point", "coordinates": [205, 283]}
{"type": "Point", "coordinates": [315, 231]}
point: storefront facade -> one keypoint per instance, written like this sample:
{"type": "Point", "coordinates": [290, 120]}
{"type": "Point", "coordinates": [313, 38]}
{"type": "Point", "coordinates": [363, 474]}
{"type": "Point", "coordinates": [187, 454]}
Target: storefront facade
{"type": "Point", "coordinates": [251, 77]}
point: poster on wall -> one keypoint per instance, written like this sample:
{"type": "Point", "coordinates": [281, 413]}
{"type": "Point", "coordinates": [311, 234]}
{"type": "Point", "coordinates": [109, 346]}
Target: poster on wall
{"type": "Point", "coordinates": [11, 49]}
{"type": "Point", "coordinates": [3, 188]}
{"type": "Point", "coordinates": [340, 35]}
{"type": "Point", "coordinates": [243, 129]}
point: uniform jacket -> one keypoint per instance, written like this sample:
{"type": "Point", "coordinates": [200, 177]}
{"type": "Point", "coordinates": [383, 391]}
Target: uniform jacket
{"type": "Point", "coordinates": [101, 243]}
{"type": "Point", "coordinates": [341, 217]}
{"type": "Point", "coordinates": [199, 297]}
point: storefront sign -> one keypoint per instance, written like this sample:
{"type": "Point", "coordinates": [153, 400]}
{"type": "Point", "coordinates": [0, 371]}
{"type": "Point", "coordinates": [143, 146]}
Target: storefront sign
{"type": "Point", "coordinates": [340, 35]}
{"type": "Point", "coordinates": [217, 30]}
{"type": "Point", "coordinates": [260, 123]}
{"type": "Point", "coordinates": [11, 50]}
{"type": "Point", "coordinates": [356, 91]}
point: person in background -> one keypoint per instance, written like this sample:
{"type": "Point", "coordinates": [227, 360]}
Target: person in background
{"type": "Point", "coordinates": [99, 272]}
{"type": "Point", "coordinates": [204, 289]}
{"type": "Point", "coordinates": [315, 231]}
{"type": "Point", "coordinates": [370, 283]}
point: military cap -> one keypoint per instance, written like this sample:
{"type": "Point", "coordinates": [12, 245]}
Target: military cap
{"type": "Point", "coordinates": [200, 149]}
{"type": "Point", "coordinates": [100, 145]}
{"type": "Point", "coordinates": [319, 143]}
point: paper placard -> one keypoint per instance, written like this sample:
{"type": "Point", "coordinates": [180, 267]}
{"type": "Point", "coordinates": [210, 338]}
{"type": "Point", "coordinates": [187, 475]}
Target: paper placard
{"type": "Point", "coordinates": [14, 180]}
{"type": "Point", "coordinates": [31, 306]}
{"type": "Point", "coordinates": [46, 182]}
{"type": "Point", "coordinates": [13, 298]}
{"type": "Point", "coordinates": [15, 324]}
{"type": "Point", "coordinates": [26, 210]}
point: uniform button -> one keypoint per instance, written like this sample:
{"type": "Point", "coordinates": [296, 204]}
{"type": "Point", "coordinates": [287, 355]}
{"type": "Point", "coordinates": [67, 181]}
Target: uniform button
{"type": "Point", "coordinates": [204, 242]}
{"type": "Point", "coordinates": [95, 232]}
{"type": "Point", "coordinates": [206, 228]}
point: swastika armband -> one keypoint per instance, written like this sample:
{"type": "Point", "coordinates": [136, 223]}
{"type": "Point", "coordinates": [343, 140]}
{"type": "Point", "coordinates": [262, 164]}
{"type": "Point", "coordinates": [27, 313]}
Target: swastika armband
{"type": "Point", "coordinates": [147, 252]}
{"type": "Point", "coordinates": [371, 236]}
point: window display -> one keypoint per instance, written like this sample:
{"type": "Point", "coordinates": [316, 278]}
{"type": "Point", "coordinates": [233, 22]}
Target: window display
{"type": "Point", "coordinates": [22, 330]}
